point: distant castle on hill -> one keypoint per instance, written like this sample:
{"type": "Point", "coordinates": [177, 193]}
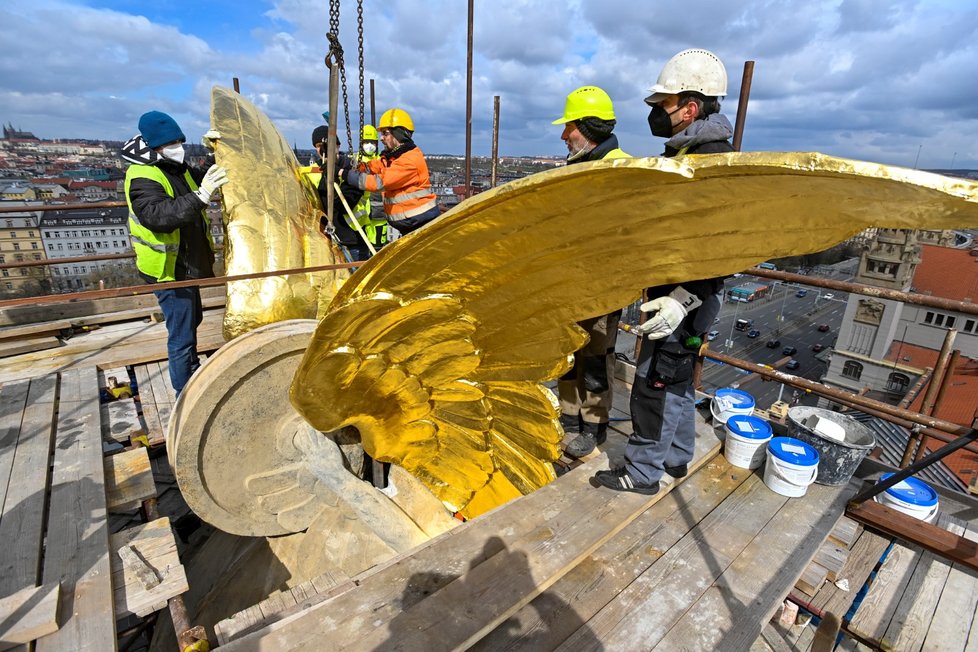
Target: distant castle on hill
{"type": "Point", "coordinates": [9, 133]}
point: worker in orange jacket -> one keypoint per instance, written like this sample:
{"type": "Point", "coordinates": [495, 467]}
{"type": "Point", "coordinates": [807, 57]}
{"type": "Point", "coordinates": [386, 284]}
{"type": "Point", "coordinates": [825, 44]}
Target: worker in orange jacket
{"type": "Point", "coordinates": [400, 175]}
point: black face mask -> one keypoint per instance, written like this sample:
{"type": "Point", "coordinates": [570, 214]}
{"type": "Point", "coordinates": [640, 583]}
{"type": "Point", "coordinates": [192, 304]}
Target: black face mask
{"type": "Point", "coordinates": [660, 121]}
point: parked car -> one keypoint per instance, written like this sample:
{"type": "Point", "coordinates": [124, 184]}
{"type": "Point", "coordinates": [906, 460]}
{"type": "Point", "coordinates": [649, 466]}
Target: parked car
{"type": "Point", "coordinates": [773, 344]}
{"type": "Point", "coordinates": [828, 296]}
{"type": "Point", "coordinates": [823, 328]}
{"type": "Point", "coordinates": [792, 364]}
{"type": "Point", "coordinates": [752, 333]}
{"type": "Point", "coordinates": [789, 350]}
{"type": "Point", "coordinates": [712, 335]}
{"type": "Point", "coordinates": [801, 293]}
{"type": "Point", "coordinates": [817, 347]}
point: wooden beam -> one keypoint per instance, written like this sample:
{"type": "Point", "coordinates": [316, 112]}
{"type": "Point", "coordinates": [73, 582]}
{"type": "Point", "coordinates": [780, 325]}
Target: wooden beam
{"type": "Point", "coordinates": [29, 614]}
{"type": "Point", "coordinates": [951, 546]}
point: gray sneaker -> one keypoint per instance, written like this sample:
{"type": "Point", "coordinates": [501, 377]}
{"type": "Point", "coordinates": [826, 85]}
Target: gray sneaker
{"type": "Point", "coordinates": [570, 423]}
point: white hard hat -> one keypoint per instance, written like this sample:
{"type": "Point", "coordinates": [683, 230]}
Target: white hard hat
{"type": "Point", "coordinates": [690, 70]}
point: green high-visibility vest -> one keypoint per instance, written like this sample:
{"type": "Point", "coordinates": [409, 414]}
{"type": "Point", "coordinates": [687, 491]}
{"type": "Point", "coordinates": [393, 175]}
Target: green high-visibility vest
{"type": "Point", "coordinates": [373, 228]}
{"type": "Point", "coordinates": [156, 251]}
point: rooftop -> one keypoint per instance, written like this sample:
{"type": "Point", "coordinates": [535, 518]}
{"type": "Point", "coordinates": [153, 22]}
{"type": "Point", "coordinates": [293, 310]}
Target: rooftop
{"type": "Point", "coordinates": [948, 273]}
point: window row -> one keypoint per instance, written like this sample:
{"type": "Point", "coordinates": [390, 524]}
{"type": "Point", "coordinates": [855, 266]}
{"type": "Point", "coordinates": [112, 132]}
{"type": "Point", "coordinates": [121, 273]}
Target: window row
{"type": "Point", "coordinates": [948, 321]}
{"type": "Point", "coordinates": [84, 233]}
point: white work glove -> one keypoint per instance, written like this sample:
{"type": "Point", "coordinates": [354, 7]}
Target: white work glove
{"type": "Point", "coordinates": [215, 177]}
{"type": "Point", "coordinates": [209, 140]}
{"type": "Point", "coordinates": [666, 313]}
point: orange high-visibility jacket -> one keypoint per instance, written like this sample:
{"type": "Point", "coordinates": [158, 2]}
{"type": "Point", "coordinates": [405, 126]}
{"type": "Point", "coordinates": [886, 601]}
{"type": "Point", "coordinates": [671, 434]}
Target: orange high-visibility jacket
{"type": "Point", "coordinates": [404, 183]}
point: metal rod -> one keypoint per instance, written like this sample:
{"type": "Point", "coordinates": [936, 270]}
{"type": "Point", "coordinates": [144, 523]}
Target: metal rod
{"type": "Point", "coordinates": [65, 261]}
{"type": "Point", "coordinates": [742, 104]}
{"type": "Point", "coordinates": [962, 441]}
{"type": "Point", "coordinates": [334, 85]}
{"type": "Point", "coordinates": [373, 105]}
{"type": "Point", "coordinates": [912, 442]}
{"type": "Point", "coordinates": [919, 385]}
{"type": "Point", "coordinates": [946, 380]}
{"type": "Point", "coordinates": [468, 103]}
{"type": "Point", "coordinates": [844, 396]}
{"type": "Point", "coordinates": [868, 290]}
{"type": "Point", "coordinates": [940, 369]}
{"type": "Point", "coordinates": [237, 86]}
{"type": "Point", "coordinates": [495, 140]}
{"type": "Point", "coordinates": [153, 287]}
{"type": "Point", "coordinates": [933, 433]}
{"type": "Point", "coordinates": [62, 207]}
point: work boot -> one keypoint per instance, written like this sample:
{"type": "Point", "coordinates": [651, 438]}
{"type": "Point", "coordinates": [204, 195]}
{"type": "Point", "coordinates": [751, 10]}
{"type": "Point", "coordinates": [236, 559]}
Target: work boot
{"type": "Point", "coordinates": [619, 480]}
{"type": "Point", "coordinates": [571, 423]}
{"type": "Point", "coordinates": [677, 471]}
{"type": "Point", "coordinates": [592, 435]}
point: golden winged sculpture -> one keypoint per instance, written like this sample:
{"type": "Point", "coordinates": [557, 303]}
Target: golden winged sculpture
{"type": "Point", "coordinates": [437, 349]}
{"type": "Point", "coordinates": [271, 219]}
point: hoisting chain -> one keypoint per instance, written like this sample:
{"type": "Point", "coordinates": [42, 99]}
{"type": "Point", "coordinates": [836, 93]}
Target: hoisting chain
{"type": "Point", "coordinates": [360, 52]}
{"type": "Point", "coordinates": [336, 51]}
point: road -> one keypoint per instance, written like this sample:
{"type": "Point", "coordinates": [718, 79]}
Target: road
{"type": "Point", "coordinates": [782, 316]}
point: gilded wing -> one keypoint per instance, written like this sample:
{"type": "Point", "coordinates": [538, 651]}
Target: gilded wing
{"type": "Point", "coordinates": [272, 222]}
{"type": "Point", "coordinates": [435, 349]}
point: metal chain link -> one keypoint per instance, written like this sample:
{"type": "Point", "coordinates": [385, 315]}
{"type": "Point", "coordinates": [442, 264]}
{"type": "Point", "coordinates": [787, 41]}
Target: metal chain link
{"type": "Point", "coordinates": [336, 49]}
{"type": "Point", "coordinates": [360, 52]}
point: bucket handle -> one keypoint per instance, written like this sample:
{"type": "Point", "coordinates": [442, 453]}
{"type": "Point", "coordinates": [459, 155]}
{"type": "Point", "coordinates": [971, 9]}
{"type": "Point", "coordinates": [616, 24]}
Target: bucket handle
{"type": "Point", "coordinates": [777, 470]}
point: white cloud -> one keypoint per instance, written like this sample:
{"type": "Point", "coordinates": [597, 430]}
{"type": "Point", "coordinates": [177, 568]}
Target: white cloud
{"type": "Point", "coordinates": [857, 78]}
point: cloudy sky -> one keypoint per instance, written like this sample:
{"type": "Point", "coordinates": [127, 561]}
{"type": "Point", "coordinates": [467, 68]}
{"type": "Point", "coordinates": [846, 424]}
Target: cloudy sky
{"type": "Point", "coordinates": [892, 81]}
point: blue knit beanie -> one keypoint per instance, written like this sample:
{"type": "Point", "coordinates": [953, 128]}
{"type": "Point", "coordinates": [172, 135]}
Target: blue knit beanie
{"type": "Point", "coordinates": [157, 128]}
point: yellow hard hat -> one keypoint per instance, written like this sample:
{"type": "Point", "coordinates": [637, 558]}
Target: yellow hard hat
{"type": "Point", "coordinates": [587, 102]}
{"type": "Point", "coordinates": [369, 132]}
{"type": "Point", "coordinates": [396, 118]}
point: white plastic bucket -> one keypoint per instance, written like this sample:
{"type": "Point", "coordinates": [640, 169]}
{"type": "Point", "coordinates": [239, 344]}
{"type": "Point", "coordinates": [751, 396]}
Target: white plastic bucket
{"type": "Point", "coordinates": [747, 437]}
{"type": "Point", "coordinates": [727, 402]}
{"type": "Point", "coordinates": [912, 497]}
{"type": "Point", "coordinates": [791, 467]}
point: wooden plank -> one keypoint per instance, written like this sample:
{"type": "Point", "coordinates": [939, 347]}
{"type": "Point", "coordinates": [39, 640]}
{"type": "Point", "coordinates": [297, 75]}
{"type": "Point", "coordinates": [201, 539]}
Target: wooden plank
{"type": "Point", "coordinates": [71, 309]}
{"type": "Point", "coordinates": [558, 612]}
{"type": "Point", "coordinates": [10, 332]}
{"type": "Point", "coordinates": [917, 532]}
{"type": "Point", "coordinates": [28, 614]}
{"type": "Point", "coordinates": [171, 396]}
{"type": "Point", "coordinates": [832, 557]}
{"type": "Point", "coordinates": [812, 578]}
{"type": "Point", "coordinates": [539, 536]}
{"type": "Point", "coordinates": [954, 616]}
{"type": "Point", "coordinates": [640, 612]}
{"type": "Point", "coordinates": [881, 601]}
{"type": "Point", "coordinates": [22, 524]}
{"type": "Point", "coordinates": [863, 558]}
{"type": "Point", "coordinates": [11, 348]}
{"type": "Point", "coordinates": [120, 421]}
{"type": "Point", "coordinates": [13, 400]}
{"type": "Point", "coordinates": [155, 545]}
{"type": "Point", "coordinates": [752, 586]}
{"type": "Point", "coordinates": [128, 480]}
{"type": "Point", "coordinates": [845, 532]}
{"type": "Point", "coordinates": [116, 345]}
{"type": "Point", "coordinates": [909, 625]}
{"type": "Point", "coordinates": [147, 403]}
{"type": "Point", "coordinates": [77, 553]}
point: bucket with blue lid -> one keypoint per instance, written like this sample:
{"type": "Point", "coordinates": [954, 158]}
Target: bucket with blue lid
{"type": "Point", "coordinates": [912, 497]}
{"type": "Point", "coordinates": [791, 466]}
{"type": "Point", "coordinates": [747, 437]}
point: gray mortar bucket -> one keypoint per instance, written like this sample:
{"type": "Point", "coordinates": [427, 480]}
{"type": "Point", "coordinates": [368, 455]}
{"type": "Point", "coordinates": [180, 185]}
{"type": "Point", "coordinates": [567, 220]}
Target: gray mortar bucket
{"type": "Point", "coordinates": [838, 459]}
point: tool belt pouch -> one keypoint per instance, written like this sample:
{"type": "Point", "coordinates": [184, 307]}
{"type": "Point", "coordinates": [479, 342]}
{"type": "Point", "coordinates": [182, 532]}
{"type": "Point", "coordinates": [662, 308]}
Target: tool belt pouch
{"type": "Point", "coordinates": [672, 364]}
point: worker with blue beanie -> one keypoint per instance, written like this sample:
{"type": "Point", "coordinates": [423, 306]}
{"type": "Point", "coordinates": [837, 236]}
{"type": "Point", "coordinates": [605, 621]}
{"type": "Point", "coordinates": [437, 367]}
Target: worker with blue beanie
{"type": "Point", "coordinates": [170, 231]}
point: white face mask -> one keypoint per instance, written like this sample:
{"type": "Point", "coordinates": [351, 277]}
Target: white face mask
{"type": "Point", "coordinates": [369, 148]}
{"type": "Point", "coordinates": [173, 152]}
